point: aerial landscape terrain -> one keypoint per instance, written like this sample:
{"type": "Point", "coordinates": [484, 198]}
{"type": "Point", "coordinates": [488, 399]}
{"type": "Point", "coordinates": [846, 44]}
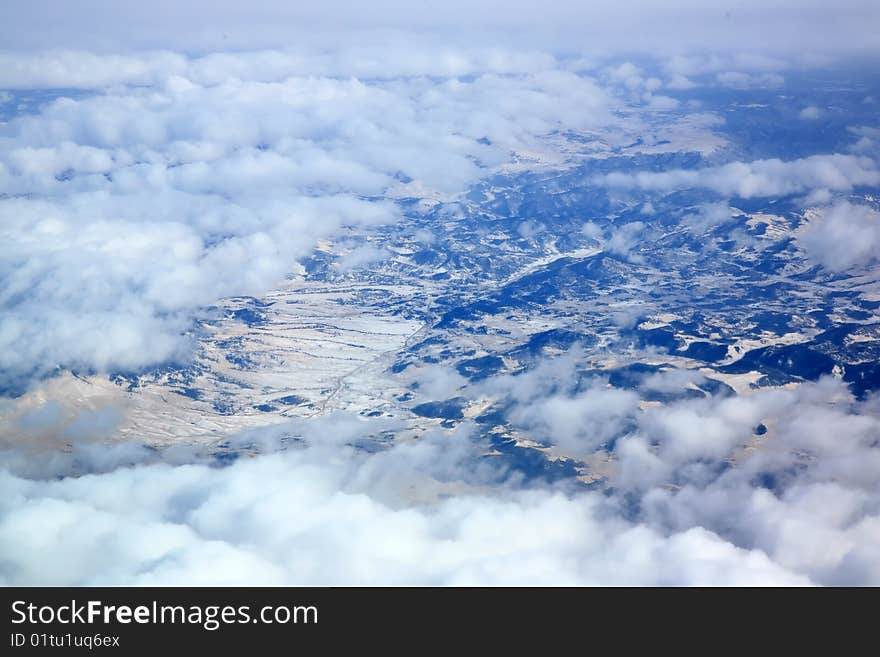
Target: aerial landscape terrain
{"type": "Point", "coordinates": [568, 300]}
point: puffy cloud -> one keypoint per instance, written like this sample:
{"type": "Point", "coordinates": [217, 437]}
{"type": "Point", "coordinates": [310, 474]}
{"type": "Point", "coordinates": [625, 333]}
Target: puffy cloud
{"type": "Point", "coordinates": [718, 62]}
{"type": "Point", "coordinates": [126, 212]}
{"type": "Point", "coordinates": [660, 103]}
{"type": "Point", "coordinates": [695, 498]}
{"type": "Point", "coordinates": [758, 178]}
{"type": "Point", "coordinates": [699, 461]}
{"type": "Point", "coordinates": [624, 239]}
{"type": "Point", "coordinates": [842, 236]}
{"type": "Point", "coordinates": [162, 183]}
{"type": "Point", "coordinates": [634, 84]}
{"type": "Point", "coordinates": [387, 59]}
{"type": "Point", "coordinates": [868, 140]}
{"type": "Point", "coordinates": [85, 70]}
{"type": "Point", "coordinates": [550, 375]}
{"type": "Point", "coordinates": [326, 514]}
{"type": "Point", "coordinates": [810, 113]}
{"type": "Point", "coordinates": [439, 382]}
{"type": "Point", "coordinates": [361, 256]}
{"type": "Point", "coordinates": [680, 82]}
{"type": "Point", "coordinates": [529, 229]}
{"type": "Point", "coordinates": [818, 447]}
{"type": "Point", "coordinates": [111, 281]}
{"type": "Point", "coordinates": [578, 424]}
{"type": "Point", "coordinates": [740, 70]}
{"type": "Point", "coordinates": [739, 80]}
{"type": "Point", "coordinates": [707, 217]}
{"type": "Point", "coordinates": [592, 230]}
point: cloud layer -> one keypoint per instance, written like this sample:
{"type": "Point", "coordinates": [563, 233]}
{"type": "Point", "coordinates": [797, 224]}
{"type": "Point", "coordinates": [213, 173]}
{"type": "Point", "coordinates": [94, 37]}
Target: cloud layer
{"type": "Point", "coordinates": [208, 152]}
{"type": "Point", "coordinates": [803, 508]}
{"type": "Point", "coordinates": [760, 178]}
{"type": "Point", "coordinates": [805, 26]}
{"type": "Point", "coordinates": [125, 212]}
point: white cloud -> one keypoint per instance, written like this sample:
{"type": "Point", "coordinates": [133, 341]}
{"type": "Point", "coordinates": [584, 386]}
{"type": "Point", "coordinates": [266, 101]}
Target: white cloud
{"type": "Point", "coordinates": [437, 382]}
{"type": "Point", "coordinates": [715, 61]}
{"type": "Point", "coordinates": [129, 210]}
{"type": "Point", "coordinates": [435, 511]}
{"type": "Point", "coordinates": [660, 103]}
{"type": "Point", "coordinates": [624, 239]}
{"type": "Point", "coordinates": [680, 82]}
{"type": "Point", "coordinates": [810, 113]}
{"type": "Point", "coordinates": [707, 217]}
{"type": "Point", "coordinates": [361, 256]}
{"type": "Point", "coordinates": [579, 424]}
{"type": "Point", "coordinates": [178, 180]}
{"type": "Point", "coordinates": [84, 69]}
{"type": "Point", "coordinates": [529, 229]}
{"type": "Point", "coordinates": [592, 230]}
{"type": "Point", "coordinates": [740, 80]}
{"type": "Point", "coordinates": [842, 236]}
{"type": "Point", "coordinates": [652, 26]}
{"type": "Point", "coordinates": [818, 447]}
{"type": "Point", "coordinates": [758, 178]}
{"type": "Point", "coordinates": [868, 142]}
{"type": "Point", "coordinates": [328, 515]}
{"type": "Point", "coordinates": [698, 463]}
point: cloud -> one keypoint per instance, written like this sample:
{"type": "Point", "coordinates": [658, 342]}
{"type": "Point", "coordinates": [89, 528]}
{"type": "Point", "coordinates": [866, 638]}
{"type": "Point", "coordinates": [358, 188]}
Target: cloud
{"type": "Point", "coordinates": [361, 256]}
{"type": "Point", "coordinates": [868, 140]}
{"type": "Point", "coordinates": [436, 382]}
{"type": "Point", "coordinates": [579, 424]}
{"type": "Point", "coordinates": [760, 68]}
{"type": "Point", "coordinates": [529, 229]}
{"type": "Point", "coordinates": [127, 212]}
{"type": "Point", "coordinates": [810, 113]}
{"type": "Point", "coordinates": [592, 230]}
{"type": "Point", "coordinates": [760, 178]}
{"type": "Point", "coordinates": [646, 26]}
{"type": "Point", "coordinates": [380, 60]}
{"type": "Point", "coordinates": [96, 281]}
{"type": "Point", "coordinates": [624, 239]}
{"type": "Point", "coordinates": [680, 83]}
{"type": "Point", "coordinates": [819, 446]}
{"type": "Point", "coordinates": [695, 497]}
{"type": "Point", "coordinates": [842, 236]}
{"type": "Point", "coordinates": [739, 80]}
{"type": "Point", "coordinates": [708, 217]}
{"type": "Point", "coordinates": [714, 61]}
{"type": "Point", "coordinates": [633, 83]}
{"type": "Point", "coordinates": [303, 517]}
{"type": "Point", "coordinates": [145, 185]}
{"type": "Point", "coordinates": [698, 462]}
{"type": "Point", "coordinates": [660, 103]}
